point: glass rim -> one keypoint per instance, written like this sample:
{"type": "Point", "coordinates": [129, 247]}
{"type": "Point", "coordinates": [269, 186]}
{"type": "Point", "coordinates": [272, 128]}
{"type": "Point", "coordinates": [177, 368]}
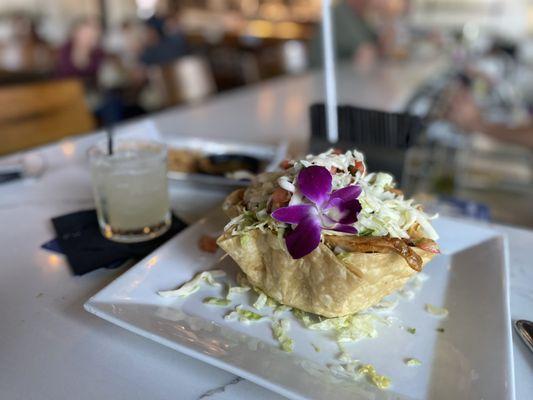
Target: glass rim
{"type": "Point", "coordinates": [99, 149]}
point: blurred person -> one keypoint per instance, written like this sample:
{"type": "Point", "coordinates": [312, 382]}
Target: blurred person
{"type": "Point", "coordinates": [162, 47]}
{"type": "Point", "coordinates": [127, 42]}
{"type": "Point", "coordinates": [354, 38]}
{"type": "Point", "coordinates": [465, 113]}
{"type": "Point", "coordinates": [82, 56]}
{"type": "Point", "coordinates": [25, 50]}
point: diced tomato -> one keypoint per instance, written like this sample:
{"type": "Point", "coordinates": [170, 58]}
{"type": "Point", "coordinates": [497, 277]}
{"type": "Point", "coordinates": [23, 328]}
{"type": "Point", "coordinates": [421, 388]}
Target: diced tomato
{"type": "Point", "coordinates": [208, 244]}
{"type": "Point", "coordinates": [359, 166]}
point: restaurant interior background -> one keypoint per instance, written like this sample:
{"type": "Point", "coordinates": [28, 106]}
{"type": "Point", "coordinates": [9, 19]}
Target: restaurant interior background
{"type": "Point", "coordinates": [111, 60]}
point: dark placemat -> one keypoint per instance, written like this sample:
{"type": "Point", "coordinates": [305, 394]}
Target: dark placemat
{"type": "Point", "coordinates": [80, 240]}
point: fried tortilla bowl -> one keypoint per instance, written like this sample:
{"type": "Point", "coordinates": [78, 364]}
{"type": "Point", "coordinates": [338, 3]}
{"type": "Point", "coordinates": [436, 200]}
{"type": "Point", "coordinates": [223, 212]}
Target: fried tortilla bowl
{"type": "Point", "coordinates": [321, 282]}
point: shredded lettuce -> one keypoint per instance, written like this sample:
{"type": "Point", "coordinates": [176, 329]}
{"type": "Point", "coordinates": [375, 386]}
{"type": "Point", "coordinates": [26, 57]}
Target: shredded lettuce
{"type": "Point", "coordinates": [244, 316]}
{"type": "Point", "coordinates": [381, 381]}
{"type": "Point", "coordinates": [349, 328]}
{"type": "Point", "coordinates": [261, 301]}
{"type": "Point", "coordinates": [436, 311]}
{"type": "Point", "coordinates": [280, 329]}
{"type": "Point", "coordinates": [384, 211]}
{"type": "Point", "coordinates": [193, 285]}
{"type": "Point", "coordinates": [412, 362]}
{"type": "Point", "coordinates": [280, 309]}
{"type": "Point", "coordinates": [412, 331]}
{"type": "Point", "coordinates": [217, 301]}
{"type": "Point", "coordinates": [236, 290]}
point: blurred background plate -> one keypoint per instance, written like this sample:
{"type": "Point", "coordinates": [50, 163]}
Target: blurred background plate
{"type": "Point", "coordinates": [268, 157]}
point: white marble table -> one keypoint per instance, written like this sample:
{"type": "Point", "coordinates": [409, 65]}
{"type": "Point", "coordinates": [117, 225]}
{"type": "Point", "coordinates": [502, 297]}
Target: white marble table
{"type": "Point", "coordinates": [50, 348]}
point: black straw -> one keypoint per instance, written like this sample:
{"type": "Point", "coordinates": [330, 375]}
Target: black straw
{"type": "Point", "coordinates": [109, 132]}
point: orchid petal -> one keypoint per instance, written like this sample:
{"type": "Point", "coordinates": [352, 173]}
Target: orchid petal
{"type": "Point", "coordinates": [346, 193]}
{"type": "Point", "coordinates": [343, 211]}
{"type": "Point", "coordinates": [315, 183]}
{"type": "Point", "coordinates": [293, 214]}
{"type": "Point", "coordinates": [305, 238]}
{"type": "Point", "coordinates": [345, 228]}
{"type": "Point", "coordinates": [350, 210]}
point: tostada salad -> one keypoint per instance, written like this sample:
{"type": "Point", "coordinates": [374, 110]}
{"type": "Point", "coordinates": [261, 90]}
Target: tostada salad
{"type": "Point", "coordinates": [324, 236]}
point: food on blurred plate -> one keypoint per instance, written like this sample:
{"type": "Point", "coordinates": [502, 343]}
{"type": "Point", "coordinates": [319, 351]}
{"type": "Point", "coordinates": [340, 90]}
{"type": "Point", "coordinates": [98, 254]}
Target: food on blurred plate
{"type": "Point", "coordinates": [326, 237]}
{"type": "Point", "coordinates": [182, 160]}
{"type": "Point", "coordinates": [235, 166]}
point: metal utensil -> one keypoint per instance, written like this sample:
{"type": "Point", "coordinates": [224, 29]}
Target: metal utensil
{"type": "Point", "coordinates": [525, 330]}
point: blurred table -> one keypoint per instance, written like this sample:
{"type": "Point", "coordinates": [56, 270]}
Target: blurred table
{"type": "Point", "coordinates": [50, 348]}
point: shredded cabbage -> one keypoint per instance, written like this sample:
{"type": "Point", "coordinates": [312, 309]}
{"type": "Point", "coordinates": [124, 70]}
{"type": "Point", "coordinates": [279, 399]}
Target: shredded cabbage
{"type": "Point", "coordinates": [384, 212]}
{"type": "Point", "coordinates": [280, 309]}
{"type": "Point", "coordinates": [217, 301]}
{"type": "Point", "coordinates": [280, 329]}
{"type": "Point", "coordinates": [381, 381]}
{"type": "Point", "coordinates": [412, 362]}
{"type": "Point", "coordinates": [349, 328]}
{"type": "Point", "coordinates": [236, 290]}
{"type": "Point", "coordinates": [436, 311]}
{"type": "Point", "coordinates": [193, 285]}
{"type": "Point", "coordinates": [244, 316]}
{"type": "Point", "coordinates": [261, 301]}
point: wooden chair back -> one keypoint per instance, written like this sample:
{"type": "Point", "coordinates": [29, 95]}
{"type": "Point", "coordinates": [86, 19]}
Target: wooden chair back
{"type": "Point", "coordinates": [39, 113]}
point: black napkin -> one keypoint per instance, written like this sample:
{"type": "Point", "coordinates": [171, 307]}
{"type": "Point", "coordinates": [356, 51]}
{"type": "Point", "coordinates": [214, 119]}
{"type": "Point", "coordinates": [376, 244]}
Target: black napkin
{"type": "Point", "coordinates": [79, 238]}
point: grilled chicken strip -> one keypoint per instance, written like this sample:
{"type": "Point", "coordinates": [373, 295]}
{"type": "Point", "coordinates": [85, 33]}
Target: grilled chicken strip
{"type": "Point", "coordinates": [370, 244]}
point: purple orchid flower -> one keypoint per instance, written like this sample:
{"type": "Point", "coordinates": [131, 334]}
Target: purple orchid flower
{"type": "Point", "coordinates": [335, 210]}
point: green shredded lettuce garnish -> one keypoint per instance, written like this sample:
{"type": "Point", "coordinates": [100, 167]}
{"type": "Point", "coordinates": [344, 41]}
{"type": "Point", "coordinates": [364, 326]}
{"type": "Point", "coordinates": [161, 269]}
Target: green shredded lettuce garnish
{"type": "Point", "coordinates": [261, 301]}
{"type": "Point", "coordinates": [349, 328]}
{"type": "Point", "coordinates": [280, 309]}
{"type": "Point", "coordinates": [436, 311]}
{"type": "Point", "coordinates": [280, 329]}
{"type": "Point", "coordinates": [412, 362]}
{"type": "Point", "coordinates": [193, 285]}
{"type": "Point", "coordinates": [381, 381]}
{"type": "Point", "coordinates": [217, 301]}
{"type": "Point", "coordinates": [236, 290]}
{"type": "Point", "coordinates": [244, 316]}
{"type": "Point", "coordinates": [412, 331]}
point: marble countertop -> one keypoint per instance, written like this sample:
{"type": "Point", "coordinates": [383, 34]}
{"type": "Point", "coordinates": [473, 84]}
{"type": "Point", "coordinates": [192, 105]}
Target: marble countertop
{"type": "Point", "coordinates": [50, 348]}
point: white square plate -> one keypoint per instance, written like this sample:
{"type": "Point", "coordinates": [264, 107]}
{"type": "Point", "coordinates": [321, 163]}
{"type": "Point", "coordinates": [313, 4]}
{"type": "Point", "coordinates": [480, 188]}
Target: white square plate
{"type": "Point", "coordinates": [471, 359]}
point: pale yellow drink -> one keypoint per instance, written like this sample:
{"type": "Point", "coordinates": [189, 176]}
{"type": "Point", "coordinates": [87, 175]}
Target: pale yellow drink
{"type": "Point", "coordinates": [130, 191]}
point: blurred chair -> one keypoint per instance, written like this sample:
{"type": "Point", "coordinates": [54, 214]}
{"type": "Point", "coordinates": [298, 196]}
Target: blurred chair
{"type": "Point", "coordinates": [38, 113]}
{"type": "Point", "coordinates": [188, 80]}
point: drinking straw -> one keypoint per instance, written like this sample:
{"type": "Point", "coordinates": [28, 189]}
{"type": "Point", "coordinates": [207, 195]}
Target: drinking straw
{"type": "Point", "coordinates": [109, 133]}
{"type": "Point", "coordinates": [329, 73]}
